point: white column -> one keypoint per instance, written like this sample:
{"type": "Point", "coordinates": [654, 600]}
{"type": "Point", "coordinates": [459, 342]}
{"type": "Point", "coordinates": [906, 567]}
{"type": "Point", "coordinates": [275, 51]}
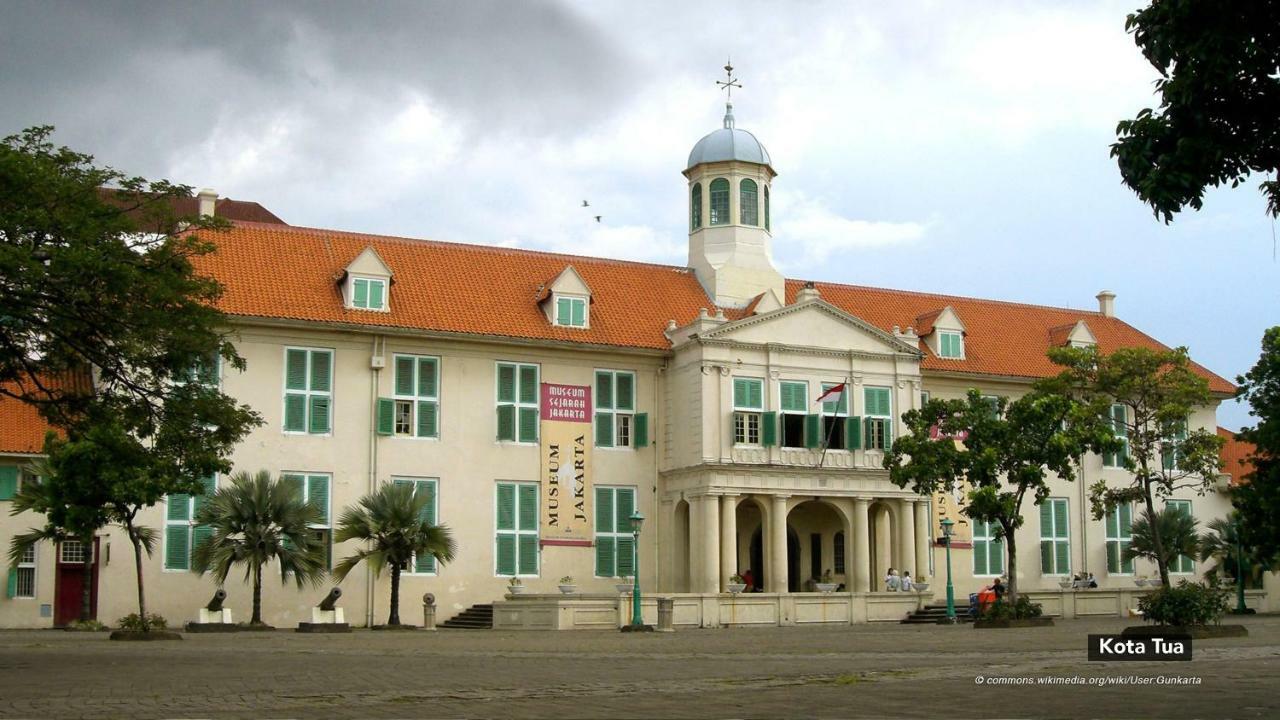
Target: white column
{"type": "Point", "coordinates": [666, 546]}
{"type": "Point", "coordinates": [709, 550]}
{"type": "Point", "coordinates": [907, 545]}
{"type": "Point", "coordinates": [922, 539]}
{"type": "Point", "coordinates": [860, 559]}
{"type": "Point", "coordinates": [778, 544]}
{"type": "Point", "coordinates": [728, 539]}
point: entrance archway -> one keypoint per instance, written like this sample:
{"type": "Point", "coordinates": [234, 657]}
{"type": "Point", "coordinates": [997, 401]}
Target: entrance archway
{"type": "Point", "coordinates": [883, 529]}
{"type": "Point", "coordinates": [812, 527]}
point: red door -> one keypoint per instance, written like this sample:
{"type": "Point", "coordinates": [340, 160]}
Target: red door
{"type": "Point", "coordinates": [69, 582]}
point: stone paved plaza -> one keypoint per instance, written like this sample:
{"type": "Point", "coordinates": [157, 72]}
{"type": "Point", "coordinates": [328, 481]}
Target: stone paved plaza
{"type": "Point", "coordinates": [859, 671]}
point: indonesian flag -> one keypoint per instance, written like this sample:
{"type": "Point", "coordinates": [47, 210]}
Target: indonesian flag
{"type": "Point", "coordinates": [836, 390]}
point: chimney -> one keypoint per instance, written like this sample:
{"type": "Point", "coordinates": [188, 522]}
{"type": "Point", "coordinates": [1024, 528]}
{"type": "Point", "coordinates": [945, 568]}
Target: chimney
{"type": "Point", "coordinates": [808, 293]}
{"type": "Point", "coordinates": [208, 202]}
{"type": "Point", "coordinates": [1107, 303]}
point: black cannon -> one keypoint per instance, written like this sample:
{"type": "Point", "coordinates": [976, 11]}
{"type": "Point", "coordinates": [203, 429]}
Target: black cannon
{"type": "Point", "coordinates": [215, 605]}
{"type": "Point", "coordinates": [331, 599]}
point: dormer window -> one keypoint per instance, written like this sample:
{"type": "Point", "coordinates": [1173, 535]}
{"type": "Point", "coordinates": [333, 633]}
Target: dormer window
{"type": "Point", "coordinates": [571, 311]}
{"type": "Point", "coordinates": [368, 293]}
{"type": "Point", "coordinates": [950, 345]}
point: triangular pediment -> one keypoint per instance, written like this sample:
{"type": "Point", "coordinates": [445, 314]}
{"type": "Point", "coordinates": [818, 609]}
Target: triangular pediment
{"type": "Point", "coordinates": [815, 324]}
{"type": "Point", "coordinates": [368, 262]}
{"type": "Point", "coordinates": [569, 282]}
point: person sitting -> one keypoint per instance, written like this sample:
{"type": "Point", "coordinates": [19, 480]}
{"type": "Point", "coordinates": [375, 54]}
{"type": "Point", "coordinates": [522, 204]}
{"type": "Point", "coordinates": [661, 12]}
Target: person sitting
{"type": "Point", "coordinates": [907, 585]}
{"type": "Point", "coordinates": [998, 588]}
{"type": "Point", "coordinates": [1091, 582]}
{"type": "Point", "coordinates": [892, 583]}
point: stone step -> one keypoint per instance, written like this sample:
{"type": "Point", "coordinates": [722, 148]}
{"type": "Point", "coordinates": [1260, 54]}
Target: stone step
{"type": "Point", "coordinates": [476, 617]}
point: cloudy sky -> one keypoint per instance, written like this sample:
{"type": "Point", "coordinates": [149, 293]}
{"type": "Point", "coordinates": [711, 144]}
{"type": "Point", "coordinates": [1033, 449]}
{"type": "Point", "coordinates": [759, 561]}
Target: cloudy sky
{"type": "Point", "coordinates": [925, 146]}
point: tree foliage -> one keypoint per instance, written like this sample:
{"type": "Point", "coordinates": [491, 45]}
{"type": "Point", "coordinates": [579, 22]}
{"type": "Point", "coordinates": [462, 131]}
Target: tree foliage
{"type": "Point", "coordinates": [1219, 89]}
{"type": "Point", "coordinates": [392, 522]}
{"type": "Point", "coordinates": [1257, 496]}
{"type": "Point", "coordinates": [1159, 391]}
{"type": "Point", "coordinates": [1178, 536]}
{"type": "Point", "coordinates": [1005, 450]}
{"type": "Point", "coordinates": [256, 520]}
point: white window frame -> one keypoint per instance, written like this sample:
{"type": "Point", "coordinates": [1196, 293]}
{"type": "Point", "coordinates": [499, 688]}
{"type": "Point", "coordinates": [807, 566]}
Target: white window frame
{"type": "Point", "coordinates": [516, 531]}
{"type": "Point", "coordinates": [384, 307]}
{"type": "Point", "coordinates": [1049, 535]}
{"type": "Point", "coordinates": [958, 337]}
{"type": "Point", "coordinates": [572, 300]}
{"type": "Point", "coordinates": [516, 402]}
{"type": "Point", "coordinates": [744, 415]}
{"type": "Point", "coordinates": [308, 393]}
{"type": "Point", "coordinates": [414, 399]}
{"type": "Point", "coordinates": [782, 425]}
{"type": "Point", "coordinates": [869, 440]}
{"type": "Point", "coordinates": [27, 565]}
{"type": "Point", "coordinates": [823, 413]}
{"type": "Point", "coordinates": [435, 510]}
{"type": "Point", "coordinates": [987, 536]}
{"type": "Point", "coordinates": [623, 419]}
{"type": "Point", "coordinates": [73, 542]}
{"type": "Point", "coordinates": [325, 527]}
{"type": "Point", "coordinates": [1120, 539]}
{"type": "Point", "coordinates": [615, 534]}
{"type": "Point", "coordinates": [189, 523]}
{"type": "Point", "coordinates": [1177, 561]}
{"type": "Point", "coordinates": [1121, 429]}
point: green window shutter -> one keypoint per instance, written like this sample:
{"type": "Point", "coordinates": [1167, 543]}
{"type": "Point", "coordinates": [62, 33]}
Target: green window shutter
{"type": "Point", "coordinates": [296, 484]}
{"type": "Point", "coordinates": [386, 416]}
{"type": "Point", "coordinates": [295, 374]}
{"type": "Point", "coordinates": [319, 414]}
{"type": "Point", "coordinates": [177, 547]}
{"type": "Point", "coordinates": [506, 383]}
{"type": "Point", "coordinates": [604, 429]}
{"type": "Point", "coordinates": [1060, 527]}
{"type": "Point", "coordinates": [428, 377]}
{"type": "Point", "coordinates": [361, 294]}
{"type": "Point", "coordinates": [200, 535]}
{"type": "Point", "coordinates": [1063, 552]}
{"type": "Point", "coordinates": [605, 557]}
{"type": "Point", "coordinates": [755, 394]}
{"type": "Point", "coordinates": [318, 494]}
{"type": "Point", "coordinates": [812, 431]}
{"type": "Point", "coordinates": [1126, 520]}
{"type": "Point", "coordinates": [295, 413]}
{"type": "Point", "coordinates": [624, 505]}
{"type": "Point", "coordinates": [528, 425]}
{"type": "Point", "coordinates": [579, 313]}
{"type": "Point", "coordinates": [1113, 557]}
{"type": "Point", "coordinates": [741, 394]}
{"type": "Point", "coordinates": [404, 375]}
{"type": "Point", "coordinates": [1127, 565]}
{"type": "Point", "coordinates": [695, 207]}
{"type": "Point", "coordinates": [428, 424]}
{"type": "Point", "coordinates": [506, 554]}
{"type": "Point", "coordinates": [506, 506]}
{"type": "Point", "coordinates": [853, 433]}
{"type": "Point", "coordinates": [178, 507]}
{"type": "Point", "coordinates": [563, 314]}
{"type": "Point", "coordinates": [626, 555]}
{"type": "Point", "coordinates": [11, 589]}
{"type": "Point", "coordinates": [641, 438]}
{"type": "Point", "coordinates": [791, 396]}
{"type": "Point", "coordinates": [8, 482]}
{"type": "Point", "coordinates": [626, 391]}
{"type": "Point", "coordinates": [424, 563]}
{"type": "Point", "coordinates": [877, 402]}
{"type": "Point", "coordinates": [506, 422]}
{"type": "Point", "coordinates": [321, 370]}
{"type": "Point", "coordinates": [528, 384]}
{"type": "Point", "coordinates": [604, 390]}
{"type": "Point", "coordinates": [428, 488]}
{"type": "Point", "coordinates": [1167, 455]}
{"type": "Point", "coordinates": [528, 506]}
{"type": "Point", "coordinates": [528, 553]}
{"type": "Point", "coordinates": [604, 510]}
{"type": "Point", "coordinates": [1046, 557]}
{"type": "Point", "coordinates": [1046, 519]}
{"type": "Point", "coordinates": [839, 406]}
{"type": "Point", "coordinates": [997, 557]}
{"type": "Point", "coordinates": [888, 433]}
{"type": "Point", "coordinates": [980, 557]}
{"type": "Point", "coordinates": [375, 295]}
{"type": "Point", "coordinates": [769, 429]}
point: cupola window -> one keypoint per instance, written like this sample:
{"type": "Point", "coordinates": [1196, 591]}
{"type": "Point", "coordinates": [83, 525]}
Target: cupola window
{"type": "Point", "coordinates": [571, 311]}
{"type": "Point", "coordinates": [748, 200]}
{"type": "Point", "coordinates": [766, 207]}
{"type": "Point", "coordinates": [720, 201]}
{"type": "Point", "coordinates": [368, 293]}
{"type": "Point", "coordinates": [695, 207]}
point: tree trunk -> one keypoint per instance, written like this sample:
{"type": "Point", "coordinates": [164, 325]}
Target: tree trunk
{"type": "Point", "coordinates": [394, 619]}
{"type": "Point", "coordinates": [1158, 542]}
{"type": "Point", "coordinates": [257, 595]}
{"type": "Point", "coordinates": [137, 564]}
{"type": "Point", "coordinates": [86, 587]}
{"type": "Point", "coordinates": [1012, 567]}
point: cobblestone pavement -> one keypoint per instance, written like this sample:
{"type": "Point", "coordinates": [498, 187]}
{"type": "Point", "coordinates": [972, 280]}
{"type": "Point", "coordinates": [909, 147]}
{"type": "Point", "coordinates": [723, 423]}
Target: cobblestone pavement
{"type": "Point", "coordinates": [859, 671]}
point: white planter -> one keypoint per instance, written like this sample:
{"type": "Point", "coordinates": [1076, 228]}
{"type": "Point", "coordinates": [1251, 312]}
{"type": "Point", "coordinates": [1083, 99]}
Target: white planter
{"type": "Point", "coordinates": [1065, 584]}
{"type": "Point", "coordinates": [1140, 582]}
{"type": "Point", "coordinates": [624, 588]}
{"type": "Point", "coordinates": [515, 589]}
{"type": "Point", "coordinates": [922, 587]}
{"type": "Point", "coordinates": [736, 588]}
{"type": "Point", "coordinates": [568, 589]}
{"type": "Point", "coordinates": [827, 587]}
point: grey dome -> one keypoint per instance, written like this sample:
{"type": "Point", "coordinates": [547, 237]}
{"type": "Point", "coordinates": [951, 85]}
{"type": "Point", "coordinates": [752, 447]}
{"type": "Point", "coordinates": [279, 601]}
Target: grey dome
{"type": "Point", "coordinates": [729, 143]}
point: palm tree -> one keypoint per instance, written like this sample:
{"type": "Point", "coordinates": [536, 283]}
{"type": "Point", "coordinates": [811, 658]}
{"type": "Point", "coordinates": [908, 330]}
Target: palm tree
{"type": "Point", "coordinates": [1177, 534]}
{"type": "Point", "coordinates": [254, 520]}
{"type": "Point", "coordinates": [1220, 543]}
{"type": "Point", "coordinates": [392, 520]}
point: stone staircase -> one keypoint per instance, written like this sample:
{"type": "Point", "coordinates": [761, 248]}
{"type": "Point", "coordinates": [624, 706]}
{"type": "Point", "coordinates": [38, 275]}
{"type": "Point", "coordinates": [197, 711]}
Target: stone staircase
{"type": "Point", "coordinates": [937, 613]}
{"type": "Point", "coordinates": [476, 617]}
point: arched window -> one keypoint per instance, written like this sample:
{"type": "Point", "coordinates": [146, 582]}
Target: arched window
{"type": "Point", "coordinates": [695, 207]}
{"type": "Point", "coordinates": [719, 201]}
{"type": "Point", "coordinates": [766, 208]}
{"type": "Point", "coordinates": [748, 202]}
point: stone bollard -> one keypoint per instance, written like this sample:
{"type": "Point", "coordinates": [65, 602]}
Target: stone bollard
{"type": "Point", "coordinates": [666, 614]}
{"type": "Point", "coordinates": [429, 612]}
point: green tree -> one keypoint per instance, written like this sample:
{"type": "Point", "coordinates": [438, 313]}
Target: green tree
{"type": "Point", "coordinates": [1177, 533]}
{"type": "Point", "coordinates": [1222, 542]}
{"type": "Point", "coordinates": [1219, 92]}
{"type": "Point", "coordinates": [392, 522]}
{"type": "Point", "coordinates": [1158, 391]}
{"type": "Point", "coordinates": [1007, 451]}
{"type": "Point", "coordinates": [256, 520]}
{"type": "Point", "coordinates": [1257, 496]}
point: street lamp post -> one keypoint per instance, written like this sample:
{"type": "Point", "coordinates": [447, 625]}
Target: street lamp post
{"type": "Point", "coordinates": [637, 623]}
{"type": "Point", "coordinates": [1240, 606]}
{"type": "Point", "coordinates": [951, 591]}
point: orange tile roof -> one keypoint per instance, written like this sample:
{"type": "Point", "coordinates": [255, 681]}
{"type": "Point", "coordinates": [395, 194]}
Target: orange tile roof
{"type": "Point", "coordinates": [22, 428]}
{"type": "Point", "coordinates": [281, 271]}
{"type": "Point", "coordinates": [1235, 456]}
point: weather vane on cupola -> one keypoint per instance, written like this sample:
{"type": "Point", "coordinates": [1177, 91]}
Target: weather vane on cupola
{"type": "Point", "coordinates": [728, 85]}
